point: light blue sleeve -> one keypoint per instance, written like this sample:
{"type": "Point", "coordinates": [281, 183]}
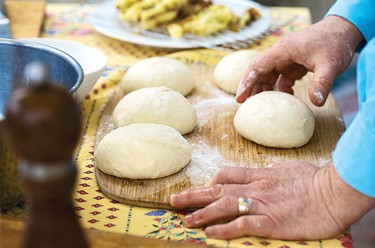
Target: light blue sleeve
{"type": "Point", "coordinates": [354, 156]}
{"type": "Point", "coordinates": [359, 12]}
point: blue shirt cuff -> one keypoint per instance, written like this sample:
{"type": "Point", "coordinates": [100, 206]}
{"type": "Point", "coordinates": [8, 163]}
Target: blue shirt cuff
{"type": "Point", "coordinates": [354, 156]}
{"type": "Point", "coordinates": [358, 12]}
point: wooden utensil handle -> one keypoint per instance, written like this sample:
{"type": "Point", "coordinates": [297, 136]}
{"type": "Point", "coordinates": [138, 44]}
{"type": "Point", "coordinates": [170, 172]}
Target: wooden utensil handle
{"type": "Point", "coordinates": [43, 123]}
{"type": "Point", "coordinates": [52, 221]}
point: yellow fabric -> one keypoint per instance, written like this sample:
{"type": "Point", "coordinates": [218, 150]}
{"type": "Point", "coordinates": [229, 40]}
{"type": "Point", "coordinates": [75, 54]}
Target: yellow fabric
{"type": "Point", "coordinates": [67, 21]}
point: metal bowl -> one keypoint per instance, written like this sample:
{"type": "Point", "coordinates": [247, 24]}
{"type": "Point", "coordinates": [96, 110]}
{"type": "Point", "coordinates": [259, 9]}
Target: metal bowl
{"type": "Point", "coordinates": [92, 60]}
{"type": "Point", "coordinates": [16, 54]}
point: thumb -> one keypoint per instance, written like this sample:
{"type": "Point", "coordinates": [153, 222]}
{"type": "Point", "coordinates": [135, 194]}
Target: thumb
{"type": "Point", "coordinates": [321, 85]}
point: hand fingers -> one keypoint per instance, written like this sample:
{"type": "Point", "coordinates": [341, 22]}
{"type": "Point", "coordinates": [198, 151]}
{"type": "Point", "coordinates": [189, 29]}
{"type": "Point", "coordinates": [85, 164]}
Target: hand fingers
{"type": "Point", "coordinates": [246, 85]}
{"type": "Point", "coordinates": [256, 89]}
{"type": "Point", "coordinates": [285, 84]}
{"type": "Point", "coordinates": [266, 70]}
{"type": "Point", "coordinates": [233, 175]}
{"type": "Point", "coordinates": [248, 225]}
{"type": "Point", "coordinates": [265, 82]}
{"type": "Point", "coordinates": [204, 196]}
{"type": "Point", "coordinates": [321, 85]}
{"type": "Point", "coordinates": [227, 181]}
{"type": "Point", "coordinates": [226, 208]}
{"type": "Point", "coordinates": [294, 72]}
{"type": "Point", "coordinates": [287, 78]}
{"type": "Point", "coordinates": [263, 66]}
{"type": "Point", "coordinates": [267, 87]}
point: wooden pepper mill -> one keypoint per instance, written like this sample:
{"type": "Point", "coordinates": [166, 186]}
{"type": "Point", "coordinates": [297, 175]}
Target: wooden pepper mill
{"type": "Point", "coordinates": [43, 123]}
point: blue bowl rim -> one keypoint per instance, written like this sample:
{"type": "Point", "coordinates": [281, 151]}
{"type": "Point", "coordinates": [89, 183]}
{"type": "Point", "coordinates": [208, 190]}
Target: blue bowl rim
{"type": "Point", "coordinates": [52, 50]}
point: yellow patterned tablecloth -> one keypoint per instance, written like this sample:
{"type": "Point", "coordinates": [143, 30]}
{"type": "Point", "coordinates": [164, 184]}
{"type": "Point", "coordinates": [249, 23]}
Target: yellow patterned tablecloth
{"type": "Point", "coordinates": [70, 21]}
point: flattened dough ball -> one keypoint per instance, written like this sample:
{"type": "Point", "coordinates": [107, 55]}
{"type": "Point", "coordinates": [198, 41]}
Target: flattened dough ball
{"type": "Point", "coordinates": [230, 69]}
{"type": "Point", "coordinates": [158, 71]}
{"type": "Point", "coordinates": [159, 105]}
{"type": "Point", "coordinates": [275, 119]}
{"type": "Point", "coordinates": [142, 151]}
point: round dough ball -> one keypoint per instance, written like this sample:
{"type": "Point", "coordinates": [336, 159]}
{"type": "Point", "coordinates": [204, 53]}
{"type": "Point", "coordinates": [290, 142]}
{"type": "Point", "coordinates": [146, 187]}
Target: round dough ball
{"type": "Point", "coordinates": [158, 71]}
{"type": "Point", "coordinates": [275, 119]}
{"type": "Point", "coordinates": [142, 151]}
{"type": "Point", "coordinates": [230, 69]}
{"type": "Point", "coordinates": [159, 105]}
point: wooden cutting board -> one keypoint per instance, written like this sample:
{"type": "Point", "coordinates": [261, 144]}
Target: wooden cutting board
{"type": "Point", "coordinates": [215, 143]}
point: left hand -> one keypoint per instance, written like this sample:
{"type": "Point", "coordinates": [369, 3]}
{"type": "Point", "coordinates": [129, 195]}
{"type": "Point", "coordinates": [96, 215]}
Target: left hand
{"type": "Point", "coordinates": [294, 200]}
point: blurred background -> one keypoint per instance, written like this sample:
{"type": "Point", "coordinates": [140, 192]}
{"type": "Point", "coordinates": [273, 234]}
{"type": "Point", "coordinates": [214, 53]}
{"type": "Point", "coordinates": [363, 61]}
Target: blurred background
{"type": "Point", "coordinates": [317, 8]}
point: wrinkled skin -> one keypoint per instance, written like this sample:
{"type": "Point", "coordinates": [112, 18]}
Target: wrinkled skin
{"type": "Point", "coordinates": [325, 48]}
{"type": "Point", "coordinates": [293, 200]}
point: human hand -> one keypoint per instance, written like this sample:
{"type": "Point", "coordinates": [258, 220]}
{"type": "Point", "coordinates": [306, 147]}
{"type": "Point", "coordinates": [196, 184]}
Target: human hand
{"type": "Point", "coordinates": [325, 48]}
{"type": "Point", "coordinates": [294, 200]}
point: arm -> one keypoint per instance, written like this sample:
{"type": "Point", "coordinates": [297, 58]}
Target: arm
{"type": "Point", "coordinates": [354, 156]}
{"type": "Point", "coordinates": [288, 198]}
{"type": "Point", "coordinates": [294, 201]}
{"type": "Point", "coordinates": [325, 48]}
{"type": "Point", "coordinates": [359, 12]}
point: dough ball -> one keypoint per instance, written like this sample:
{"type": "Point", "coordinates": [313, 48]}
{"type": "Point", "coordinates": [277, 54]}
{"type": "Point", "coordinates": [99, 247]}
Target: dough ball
{"type": "Point", "coordinates": [230, 69]}
{"type": "Point", "coordinates": [142, 151]}
{"type": "Point", "coordinates": [159, 105]}
{"type": "Point", "coordinates": [275, 119]}
{"type": "Point", "coordinates": [158, 71]}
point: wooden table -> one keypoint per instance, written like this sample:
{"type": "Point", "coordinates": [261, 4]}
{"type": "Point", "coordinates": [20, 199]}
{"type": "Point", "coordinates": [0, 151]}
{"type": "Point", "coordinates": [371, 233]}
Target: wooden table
{"type": "Point", "coordinates": [29, 23]}
{"type": "Point", "coordinates": [108, 217]}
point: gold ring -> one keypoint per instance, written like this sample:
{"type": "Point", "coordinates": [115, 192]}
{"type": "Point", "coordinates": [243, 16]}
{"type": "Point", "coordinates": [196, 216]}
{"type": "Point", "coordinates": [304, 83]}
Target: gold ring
{"type": "Point", "coordinates": [244, 205]}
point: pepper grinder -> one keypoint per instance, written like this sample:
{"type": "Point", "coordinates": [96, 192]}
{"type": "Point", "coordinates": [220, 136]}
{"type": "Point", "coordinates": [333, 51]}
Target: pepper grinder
{"type": "Point", "coordinates": [43, 124]}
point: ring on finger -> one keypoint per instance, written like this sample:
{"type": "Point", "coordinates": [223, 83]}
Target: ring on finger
{"type": "Point", "coordinates": [244, 205]}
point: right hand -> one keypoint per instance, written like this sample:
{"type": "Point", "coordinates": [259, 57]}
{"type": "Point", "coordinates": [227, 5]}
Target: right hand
{"type": "Point", "coordinates": [325, 48]}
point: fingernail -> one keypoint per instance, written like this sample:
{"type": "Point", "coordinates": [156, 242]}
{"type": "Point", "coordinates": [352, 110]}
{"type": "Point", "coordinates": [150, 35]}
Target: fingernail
{"type": "Point", "coordinates": [269, 165]}
{"type": "Point", "coordinates": [188, 219]}
{"type": "Point", "coordinates": [174, 198]}
{"type": "Point", "coordinates": [192, 221]}
{"type": "Point", "coordinates": [210, 231]}
{"type": "Point", "coordinates": [319, 96]}
{"type": "Point", "coordinates": [239, 89]}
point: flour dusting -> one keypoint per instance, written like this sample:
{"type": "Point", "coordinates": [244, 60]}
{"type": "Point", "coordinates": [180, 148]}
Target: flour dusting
{"type": "Point", "coordinates": [206, 156]}
{"type": "Point", "coordinates": [323, 162]}
{"type": "Point", "coordinates": [204, 163]}
{"type": "Point", "coordinates": [319, 96]}
{"type": "Point", "coordinates": [207, 109]}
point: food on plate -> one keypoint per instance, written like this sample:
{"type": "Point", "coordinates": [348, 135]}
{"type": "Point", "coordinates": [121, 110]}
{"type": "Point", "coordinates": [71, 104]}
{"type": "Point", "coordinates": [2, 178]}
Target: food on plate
{"type": "Point", "coordinates": [211, 20]}
{"type": "Point", "coordinates": [197, 17]}
{"type": "Point", "coordinates": [158, 71]}
{"type": "Point", "coordinates": [142, 151]}
{"type": "Point", "coordinates": [154, 13]}
{"type": "Point", "coordinates": [275, 119]}
{"type": "Point", "coordinates": [159, 105]}
{"type": "Point", "coordinates": [230, 69]}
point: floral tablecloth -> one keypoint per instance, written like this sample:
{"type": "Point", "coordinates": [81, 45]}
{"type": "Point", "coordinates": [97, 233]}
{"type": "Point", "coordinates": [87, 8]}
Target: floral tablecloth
{"type": "Point", "coordinates": [71, 21]}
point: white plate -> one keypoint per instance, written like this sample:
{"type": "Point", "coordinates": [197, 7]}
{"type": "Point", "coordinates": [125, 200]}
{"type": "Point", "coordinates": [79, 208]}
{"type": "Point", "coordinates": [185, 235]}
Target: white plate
{"type": "Point", "coordinates": [105, 20]}
{"type": "Point", "coordinates": [92, 61]}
